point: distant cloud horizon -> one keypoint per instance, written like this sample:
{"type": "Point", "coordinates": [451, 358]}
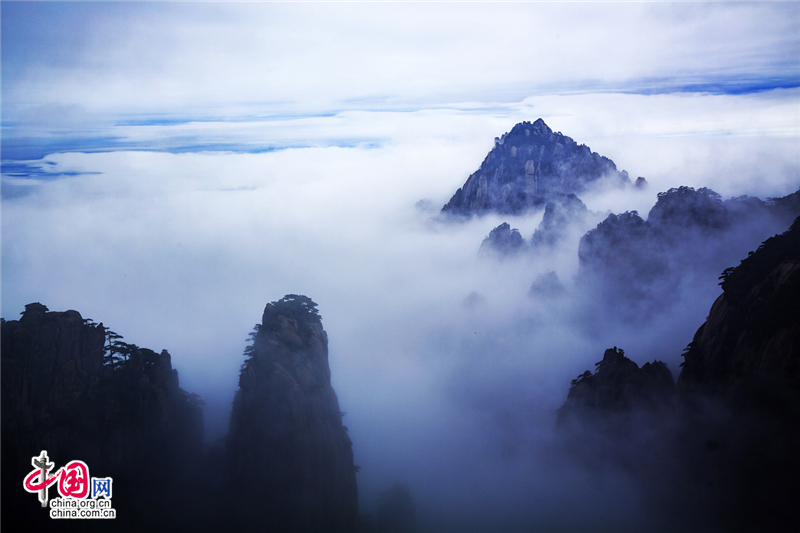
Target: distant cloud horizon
{"type": "Point", "coordinates": [179, 77]}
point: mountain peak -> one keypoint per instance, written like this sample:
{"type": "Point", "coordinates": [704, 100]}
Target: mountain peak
{"type": "Point", "coordinates": [537, 128]}
{"type": "Point", "coordinates": [528, 166]}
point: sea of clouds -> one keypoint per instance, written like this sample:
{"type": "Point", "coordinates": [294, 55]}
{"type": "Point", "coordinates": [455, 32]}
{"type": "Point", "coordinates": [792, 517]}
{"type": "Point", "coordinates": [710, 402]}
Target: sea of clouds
{"type": "Point", "coordinates": [452, 393]}
{"type": "Point", "coordinates": [168, 169]}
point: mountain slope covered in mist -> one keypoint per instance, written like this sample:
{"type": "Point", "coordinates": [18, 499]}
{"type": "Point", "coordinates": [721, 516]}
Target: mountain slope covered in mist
{"type": "Point", "coordinates": [718, 451]}
{"type": "Point", "coordinates": [528, 166]}
{"type": "Point", "coordinates": [688, 235]}
{"type": "Point", "coordinates": [617, 385]}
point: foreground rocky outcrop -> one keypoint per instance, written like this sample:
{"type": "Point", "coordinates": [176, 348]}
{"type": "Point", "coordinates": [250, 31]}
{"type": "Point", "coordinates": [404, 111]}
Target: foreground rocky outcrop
{"type": "Point", "coordinates": [739, 390]}
{"type": "Point", "coordinates": [72, 388]}
{"type": "Point", "coordinates": [527, 167]}
{"type": "Point", "coordinates": [289, 455]}
{"type": "Point", "coordinates": [721, 453]}
{"type": "Point", "coordinates": [618, 385]}
{"type": "Point", "coordinates": [75, 389]}
{"type": "Point", "coordinates": [749, 348]}
{"type": "Point", "coordinates": [618, 417]}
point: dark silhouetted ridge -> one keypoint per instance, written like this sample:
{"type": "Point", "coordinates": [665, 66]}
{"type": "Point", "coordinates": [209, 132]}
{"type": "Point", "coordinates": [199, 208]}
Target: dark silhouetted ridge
{"type": "Point", "coordinates": [75, 389]}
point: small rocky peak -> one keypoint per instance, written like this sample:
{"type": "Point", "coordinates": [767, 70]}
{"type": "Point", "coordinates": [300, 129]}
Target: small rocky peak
{"type": "Point", "coordinates": [503, 240]}
{"type": "Point", "coordinates": [614, 363]}
{"type": "Point", "coordinates": [613, 239]}
{"type": "Point", "coordinates": [617, 385]}
{"type": "Point", "coordinates": [641, 183]}
{"type": "Point", "coordinates": [559, 213]}
{"type": "Point", "coordinates": [34, 313]}
{"type": "Point", "coordinates": [563, 208]}
{"type": "Point", "coordinates": [686, 207]}
{"type": "Point", "coordinates": [293, 320]}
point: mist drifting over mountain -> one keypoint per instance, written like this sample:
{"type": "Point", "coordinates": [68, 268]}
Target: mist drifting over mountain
{"type": "Point", "coordinates": [180, 166]}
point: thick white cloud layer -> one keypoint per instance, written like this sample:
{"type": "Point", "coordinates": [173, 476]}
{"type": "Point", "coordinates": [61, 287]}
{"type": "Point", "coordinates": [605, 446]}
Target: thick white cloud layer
{"type": "Point", "coordinates": [339, 119]}
{"type": "Point", "coordinates": [182, 251]}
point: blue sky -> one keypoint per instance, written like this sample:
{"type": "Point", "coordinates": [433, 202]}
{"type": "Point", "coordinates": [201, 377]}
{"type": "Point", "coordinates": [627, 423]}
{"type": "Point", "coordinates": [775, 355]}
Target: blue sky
{"type": "Point", "coordinates": [169, 168]}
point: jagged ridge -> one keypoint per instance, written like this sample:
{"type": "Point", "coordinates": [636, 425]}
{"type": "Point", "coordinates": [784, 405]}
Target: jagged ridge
{"type": "Point", "coordinates": [527, 166]}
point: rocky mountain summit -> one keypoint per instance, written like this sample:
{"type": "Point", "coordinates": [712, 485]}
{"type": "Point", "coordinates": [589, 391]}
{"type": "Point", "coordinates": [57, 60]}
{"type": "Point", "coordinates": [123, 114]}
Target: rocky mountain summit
{"type": "Point", "coordinates": [289, 455]}
{"type": "Point", "coordinates": [617, 385]}
{"type": "Point", "coordinates": [528, 166]}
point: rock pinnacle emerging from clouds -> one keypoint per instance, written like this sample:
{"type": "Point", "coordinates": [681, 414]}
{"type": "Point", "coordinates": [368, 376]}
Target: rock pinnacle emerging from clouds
{"type": "Point", "coordinates": [287, 448]}
{"type": "Point", "coordinates": [527, 167]}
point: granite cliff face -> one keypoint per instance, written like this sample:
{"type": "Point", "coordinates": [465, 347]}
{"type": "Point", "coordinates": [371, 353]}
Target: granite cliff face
{"type": "Point", "coordinates": [527, 167]}
{"type": "Point", "coordinates": [739, 390]}
{"type": "Point", "coordinates": [288, 452]}
{"type": "Point", "coordinates": [748, 351]}
{"type": "Point", "coordinates": [51, 361]}
{"type": "Point", "coordinates": [70, 388]}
